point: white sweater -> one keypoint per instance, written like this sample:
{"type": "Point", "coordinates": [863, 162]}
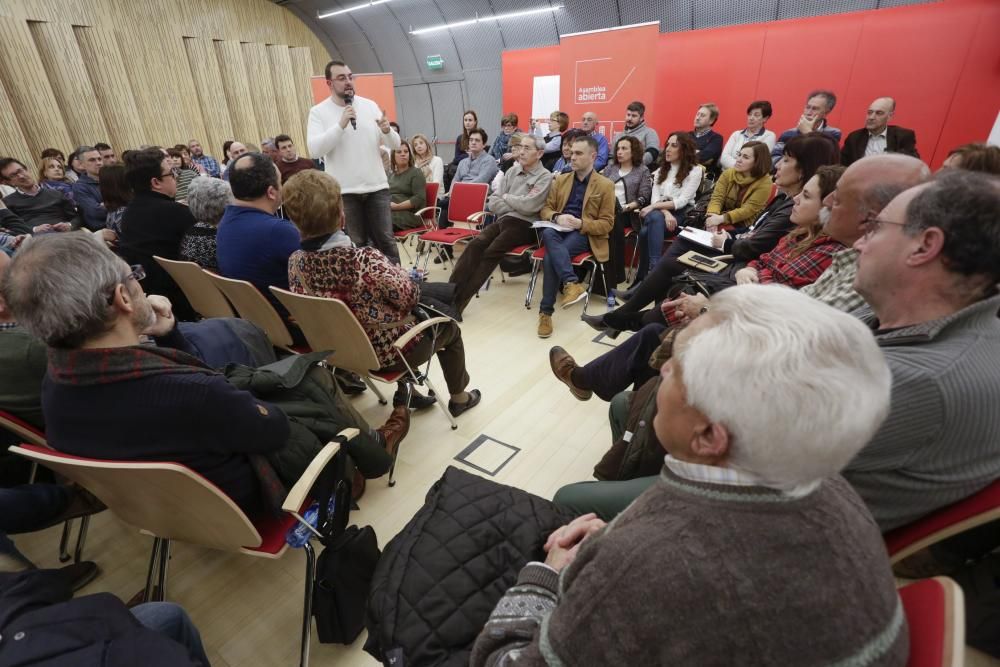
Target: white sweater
{"type": "Point", "coordinates": [682, 194]}
{"type": "Point", "coordinates": [735, 143]}
{"type": "Point", "coordinates": [351, 156]}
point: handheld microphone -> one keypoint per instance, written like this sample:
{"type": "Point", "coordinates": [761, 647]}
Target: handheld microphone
{"type": "Point", "coordinates": [349, 100]}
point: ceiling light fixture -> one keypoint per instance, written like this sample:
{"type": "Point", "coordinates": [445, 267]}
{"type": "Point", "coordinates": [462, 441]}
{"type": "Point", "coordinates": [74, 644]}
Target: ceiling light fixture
{"type": "Point", "coordinates": [482, 19]}
{"type": "Point", "coordinates": [363, 5]}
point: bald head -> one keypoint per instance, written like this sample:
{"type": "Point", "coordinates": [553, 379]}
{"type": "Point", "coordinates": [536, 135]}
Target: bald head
{"type": "Point", "coordinates": [866, 188]}
{"type": "Point", "coordinates": [236, 149]}
{"type": "Point", "coordinates": [589, 121]}
{"type": "Point", "coordinates": [879, 114]}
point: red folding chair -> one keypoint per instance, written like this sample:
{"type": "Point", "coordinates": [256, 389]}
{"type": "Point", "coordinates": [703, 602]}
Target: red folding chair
{"type": "Point", "coordinates": [428, 216]}
{"type": "Point", "coordinates": [466, 209]}
{"type": "Point", "coordinates": [935, 614]}
{"type": "Point", "coordinates": [977, 509]}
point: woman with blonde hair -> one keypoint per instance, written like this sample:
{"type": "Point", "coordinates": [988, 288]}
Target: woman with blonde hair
{"type": "Point", "coordinates": [425, 160]}
{"type": "Point", "coordinates": [52, 175]}
{"type": "Point", "coordinates": [379, 293]}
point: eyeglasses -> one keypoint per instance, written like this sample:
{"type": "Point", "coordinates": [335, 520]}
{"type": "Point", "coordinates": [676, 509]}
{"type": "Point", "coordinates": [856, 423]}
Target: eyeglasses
{"type": "Point", "coordinates": [172, 172]}
{"type": "Point", "coordinates": [136, 272]}
{"type": "Point", "coordinates": [873, 224]}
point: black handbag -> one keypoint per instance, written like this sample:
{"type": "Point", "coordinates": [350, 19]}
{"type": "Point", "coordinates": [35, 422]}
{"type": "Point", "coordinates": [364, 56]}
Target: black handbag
{"type": "Point", "coordinates": [345, 567]}
{"type": "Point", "coordinates": [343, 576]}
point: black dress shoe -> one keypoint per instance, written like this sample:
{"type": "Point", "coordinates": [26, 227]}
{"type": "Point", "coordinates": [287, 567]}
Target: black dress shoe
{"type": "Point", "coordinates": [616, 320]}
{"type": "Point", "coordinates": [350, 383]}
{"type": "Point", "coordinates": [417, 400]}
{"type": "Point", "coordinates": [79, 574]}
{"type": "Point", "coordinates": [458, 408]}
{"type": "Point", "coordinates": [596, 322]}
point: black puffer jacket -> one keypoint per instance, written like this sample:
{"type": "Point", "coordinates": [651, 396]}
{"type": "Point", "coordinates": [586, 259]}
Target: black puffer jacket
{"type": "Point", "coordinates": [439, 579]}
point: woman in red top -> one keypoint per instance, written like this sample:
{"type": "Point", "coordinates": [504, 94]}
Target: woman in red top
{"type": "Point", "coordinates": [378, 292]}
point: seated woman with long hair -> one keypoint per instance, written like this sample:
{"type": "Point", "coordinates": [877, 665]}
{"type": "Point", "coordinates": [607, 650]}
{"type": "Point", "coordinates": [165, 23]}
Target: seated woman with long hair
{"type": "Point", "coordinates": [429, 164]}
{"type": "Point", "coordinates": [675, 186]}
{"type": "Point", "coordinates": [379, 293]}
{"type": "Point", "coordinates": [633, 188]}
{"type": "Point", "coordinates": [802, 157]}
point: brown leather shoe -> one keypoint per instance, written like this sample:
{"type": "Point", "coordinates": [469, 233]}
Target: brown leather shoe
{"type": "Point", "coordinates": [562, 366]}
{"type": "Point", "coordinates": [395, 429]}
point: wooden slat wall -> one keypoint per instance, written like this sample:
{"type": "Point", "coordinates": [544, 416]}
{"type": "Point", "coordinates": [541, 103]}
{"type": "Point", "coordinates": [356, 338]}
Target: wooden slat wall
{"type": "Point", "coordinates": [265, 105]}
{"type": "Point", "coordinates": [152, 72]}
{"type": "Point", "coordinates": [210, 93]}
{"type": "Point", "coordinates": [106, 71]}
{"type": "Point", "coordinates": [27, 86]}
{"type": "Point", "coordinates": [236, 84]}
{"type": "Point", "coordinates": [283, 81]}
{"type": "Point", "coordinates": [70, 81]}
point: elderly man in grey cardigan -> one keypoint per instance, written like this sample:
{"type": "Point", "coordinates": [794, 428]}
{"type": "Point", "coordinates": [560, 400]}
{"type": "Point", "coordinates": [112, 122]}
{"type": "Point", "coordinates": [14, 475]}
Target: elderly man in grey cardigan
{"type": "Point", "coordinates": [748, 549]}
{"type": "Point", "coordinates": [516, 204]}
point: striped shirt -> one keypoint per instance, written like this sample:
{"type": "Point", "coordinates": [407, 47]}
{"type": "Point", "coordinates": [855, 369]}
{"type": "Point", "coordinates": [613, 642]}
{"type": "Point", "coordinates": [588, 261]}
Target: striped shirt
{"type": "Point", "coordinates": [941, 440]}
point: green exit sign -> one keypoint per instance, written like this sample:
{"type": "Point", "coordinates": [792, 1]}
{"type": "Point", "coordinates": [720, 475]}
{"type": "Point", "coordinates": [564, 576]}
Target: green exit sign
{"type": "Point", "coordinates": [435, 62]}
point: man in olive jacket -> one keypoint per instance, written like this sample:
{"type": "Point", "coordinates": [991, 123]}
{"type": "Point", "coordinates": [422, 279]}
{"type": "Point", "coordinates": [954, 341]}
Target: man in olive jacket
{"type": "Point", "coordinates": [582, 203]}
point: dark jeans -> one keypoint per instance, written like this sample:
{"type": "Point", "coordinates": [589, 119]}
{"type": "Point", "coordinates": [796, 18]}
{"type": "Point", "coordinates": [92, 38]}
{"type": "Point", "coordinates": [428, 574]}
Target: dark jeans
{"type": "Point", "coordinates": [172, 621]}
{"type": "Point", "coordinates": [484, 253]}
{"type": "Point", "coordinates": [627, 364]}
{"type": "Point", "coordinates": [443, 221]}
{"type": "Point", "coordinates": [369, 222]}
{"type": "Point", "coordinates": [655, 286]}
{"type": "Point", "coordinates": [28, 507]}
{"type": "Point", "coordinates": [450, 352]}
{"type": "Point", "coordinates": [560, 249]}
{"type": "Point", "coordinates": [605, 499]}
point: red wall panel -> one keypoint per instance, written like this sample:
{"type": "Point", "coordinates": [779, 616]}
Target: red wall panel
{"type": "Point", "coordinates": [974, 105]}
{"type": "Point", "coordinates": [803, 55]}
{"type": "Point", "coordinates": [519, 71]}
{"type": "Point", "coordinates": [719, 66]}
{"type": "Point", "coordinates": [940, 61]}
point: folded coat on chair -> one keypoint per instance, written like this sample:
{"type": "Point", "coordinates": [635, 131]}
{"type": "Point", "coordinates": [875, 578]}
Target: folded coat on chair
{"type": "Point", "coordinates": [439, 579]}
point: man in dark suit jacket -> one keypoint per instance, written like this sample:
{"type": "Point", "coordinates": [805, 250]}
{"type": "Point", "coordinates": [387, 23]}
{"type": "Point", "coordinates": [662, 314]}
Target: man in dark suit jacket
{"type": "Point", "coordinates": [877, 136]}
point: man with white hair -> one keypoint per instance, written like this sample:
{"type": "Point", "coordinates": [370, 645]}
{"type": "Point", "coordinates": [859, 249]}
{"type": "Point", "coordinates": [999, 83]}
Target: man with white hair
{"type": "Point", "coordinates": [748, 493]}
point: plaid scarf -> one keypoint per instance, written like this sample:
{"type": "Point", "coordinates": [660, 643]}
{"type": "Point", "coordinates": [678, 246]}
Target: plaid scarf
{"type": "Point", "coordinates": [108, 365]}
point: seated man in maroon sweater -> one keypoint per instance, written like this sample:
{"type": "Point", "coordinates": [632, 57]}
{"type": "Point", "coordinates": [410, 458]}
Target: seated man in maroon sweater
{"type": "Point", "coordinates": [108, 396]}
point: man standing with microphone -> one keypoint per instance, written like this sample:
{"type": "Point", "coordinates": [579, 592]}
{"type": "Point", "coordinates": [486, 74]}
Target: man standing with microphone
{"type": "Point", "coordinates": [346, 131]}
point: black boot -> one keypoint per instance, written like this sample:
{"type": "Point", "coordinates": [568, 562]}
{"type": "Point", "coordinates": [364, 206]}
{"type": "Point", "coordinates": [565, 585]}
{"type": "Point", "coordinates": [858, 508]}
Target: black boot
{"type": "Point", "coordinates": [417, 400]}
{"type": "Point", "coordinates": [350, 383]}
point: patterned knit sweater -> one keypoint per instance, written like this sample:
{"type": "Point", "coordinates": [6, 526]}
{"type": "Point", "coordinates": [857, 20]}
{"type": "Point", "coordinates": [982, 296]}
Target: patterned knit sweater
{"type": "Point", "coordinates": [377, 291]}
{"type": "Point", "coordinates": [706, 574]}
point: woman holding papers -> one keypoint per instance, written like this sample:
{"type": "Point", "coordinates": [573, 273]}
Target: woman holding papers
{"type": "Point", "coordinates": [675, 186]}
{"type": "Point", "coordinates": [802, 157]}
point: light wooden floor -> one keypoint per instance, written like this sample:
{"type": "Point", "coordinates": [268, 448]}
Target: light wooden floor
{"type": "Point", "coordinates": [249, 610]}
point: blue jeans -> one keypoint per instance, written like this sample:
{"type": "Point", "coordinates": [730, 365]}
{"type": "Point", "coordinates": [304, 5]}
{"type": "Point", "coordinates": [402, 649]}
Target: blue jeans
{"type": "Point", "coordinates": [171, 620]}
{"type": "Point", "coordinates": [560, 248]}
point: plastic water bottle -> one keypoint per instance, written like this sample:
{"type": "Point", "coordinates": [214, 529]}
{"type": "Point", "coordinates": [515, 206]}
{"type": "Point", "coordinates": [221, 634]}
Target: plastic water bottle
{"type": "Point", "coordinates": [298, 535]}
{"type": "Point", "coordinates": [414, 275]}
{"type": "Point", "coordinates": [611, 299]}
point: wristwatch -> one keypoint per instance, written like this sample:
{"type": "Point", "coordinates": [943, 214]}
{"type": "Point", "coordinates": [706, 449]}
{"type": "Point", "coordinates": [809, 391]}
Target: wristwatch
{"type": "Point", "coordinates": [704, 309]}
